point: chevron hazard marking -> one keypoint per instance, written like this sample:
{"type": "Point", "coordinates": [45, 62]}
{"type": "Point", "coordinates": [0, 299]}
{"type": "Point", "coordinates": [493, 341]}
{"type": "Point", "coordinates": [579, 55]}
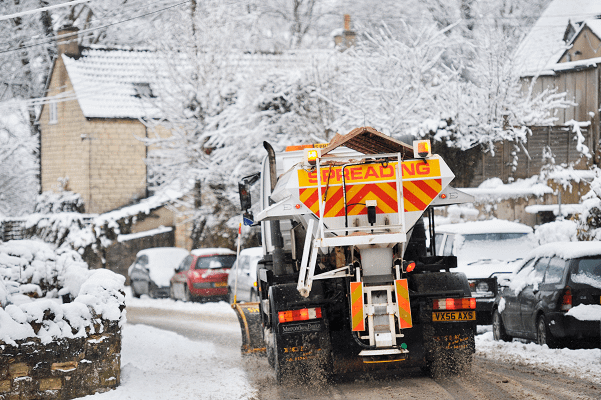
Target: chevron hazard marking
{"type": "Point", "coordinates": [357, 314]}
{"type": "Point", "coordinates": [402, 299]}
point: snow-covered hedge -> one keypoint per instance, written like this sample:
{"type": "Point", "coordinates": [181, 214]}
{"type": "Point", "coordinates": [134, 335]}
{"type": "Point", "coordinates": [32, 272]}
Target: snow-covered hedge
{"type": "Point", "coordinates": [589, 223]}
{"type": "Point", "coordinates": [37, 284]}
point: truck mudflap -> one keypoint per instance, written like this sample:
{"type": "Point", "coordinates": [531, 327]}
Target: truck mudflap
{"type": "Point", "coordinates": [249, 317]}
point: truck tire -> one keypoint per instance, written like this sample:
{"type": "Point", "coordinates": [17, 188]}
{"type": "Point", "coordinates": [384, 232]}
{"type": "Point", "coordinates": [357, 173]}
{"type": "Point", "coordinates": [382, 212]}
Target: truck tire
{"type": "Point", "coordinates": [278, 362]}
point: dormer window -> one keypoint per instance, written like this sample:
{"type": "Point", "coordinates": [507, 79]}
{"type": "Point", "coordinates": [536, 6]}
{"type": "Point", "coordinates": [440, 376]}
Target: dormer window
{"type": "Point", "coordinates": [143, 90]}
{"type": "Point", "coordinates": [53, 113]}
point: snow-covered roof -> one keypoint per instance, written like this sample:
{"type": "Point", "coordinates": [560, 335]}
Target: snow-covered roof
{"type": "Point", "coordinates": [568, 250]}
{"type": "Point", "coordinates": [252, 251]}
{"type": "Point", "coordinates": [108, 83]}
{"type": "Point", "coordinates": [117, 83]}
{"type": "Point", "coordinates": [543, 45]}
{"type": "Point", "coordinates": [580, 64]}
{"type": "Point", "coordinates": [478, 227]}
{"type": "Point", "coordinates": [495, 189]}
{"type": "Point", "coordinates": [151, 232]}
{"type": "Point", "coordinates": [211, 251]}
{"type": "Point", "coordinates": [594, 25]}
{"type": "Point", "coordinates": [162, 262]}
{"type": "Point", "coordinates": [566, 209]}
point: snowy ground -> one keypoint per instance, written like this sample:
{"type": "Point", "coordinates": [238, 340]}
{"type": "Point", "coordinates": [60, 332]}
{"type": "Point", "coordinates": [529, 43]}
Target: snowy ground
{"type": "Point", "coordinates": [158, 364]}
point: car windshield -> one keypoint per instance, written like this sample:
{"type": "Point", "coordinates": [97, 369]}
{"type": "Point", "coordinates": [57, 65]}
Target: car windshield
{"type": "Point", "coordinates": [492, 236]}
{"type": "Point", "coordinates": [588, 272]}
{"type": "Point", "coordinates": [214, 262]}
{"type": "Point", "coordinates": [492, 246]}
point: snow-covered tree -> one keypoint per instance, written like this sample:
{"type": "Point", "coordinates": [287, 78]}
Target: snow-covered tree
{"type": "Point", "coordinates": [401, 83]}
{"type": "Point", "coordinates": [18, 162]}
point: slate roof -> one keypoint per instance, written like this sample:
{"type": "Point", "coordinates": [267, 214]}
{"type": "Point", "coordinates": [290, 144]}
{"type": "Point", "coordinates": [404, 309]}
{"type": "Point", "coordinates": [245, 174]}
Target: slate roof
{"type": "Point", "coordinates": [542, 47]}
{"type": "Point", "coordinates": [108, 82]}
{"type": "Point", "coordinates": [105, 82]}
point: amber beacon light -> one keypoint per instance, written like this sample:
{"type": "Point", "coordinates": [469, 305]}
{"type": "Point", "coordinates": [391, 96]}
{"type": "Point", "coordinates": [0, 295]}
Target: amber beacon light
{"type": "Point", "coordinates": [422, 148]}
{"type": "Point", "coordinates": [311, 155]}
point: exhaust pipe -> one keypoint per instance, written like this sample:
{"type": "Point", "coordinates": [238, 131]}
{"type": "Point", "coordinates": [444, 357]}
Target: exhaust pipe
{"type": "Point", "coordinates": [279, 267]}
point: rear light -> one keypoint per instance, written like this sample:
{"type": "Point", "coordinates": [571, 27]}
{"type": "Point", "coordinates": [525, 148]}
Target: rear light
{"type": "Point", "coordinates": [255, 284]}
{"type": "Point", "coordinates": [454, 304]}
{"type": "Point", "coordinates": [304, 314]}
{"type": "Point", "coordinates": [566, 299]}
{"type": "Point", "coordinates": [410, 267]}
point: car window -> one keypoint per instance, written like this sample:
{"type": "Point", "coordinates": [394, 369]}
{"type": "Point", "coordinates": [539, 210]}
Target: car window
{"type": "Point", "coordinates": [245, 263]}
{"type": "Point", "coordinates": [184, 264]}
{"type": "Point", "coordinates": [215, 262]}
{"type": "Point", "coordinates": [521, 278]}
{"type": "Point", "coordinates": [142, 260]}
{"type": "Point", "coordinates": [448, 246]}
{"type": "Point", "coordinates": [438, 241]}
{"type": "Point", "coordinates": [588, 272]}
{"type": "Point", "coordinates": [539, 270]}
{"type": "Point", "coordinates": [555, 270]}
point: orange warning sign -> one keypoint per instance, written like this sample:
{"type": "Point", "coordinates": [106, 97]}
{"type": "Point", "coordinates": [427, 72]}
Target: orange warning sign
{"type": "Point", "coordinates": [357, 314]}
{"type": "Point", "coordinates": [386, 172]}
{"type": "Point", "coordinates": [418, 194]}
{"type": "Point", "coordinates": [402, 299]}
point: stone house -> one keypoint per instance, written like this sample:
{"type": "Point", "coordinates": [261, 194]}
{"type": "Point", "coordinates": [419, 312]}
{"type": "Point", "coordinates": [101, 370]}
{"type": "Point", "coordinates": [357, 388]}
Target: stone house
{"type": "Point", "coordinates": [561, 52]}
{"type": "Point", "coordinates": [89, 125]}
{"type": "Point", "coordinates": [91, 138]}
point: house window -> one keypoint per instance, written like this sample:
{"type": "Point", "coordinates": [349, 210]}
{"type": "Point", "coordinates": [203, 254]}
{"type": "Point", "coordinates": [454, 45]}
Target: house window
{"type": "Point", "coordinates": [53, 119]}
{"type": "Point", "coordinates": [142, 90]}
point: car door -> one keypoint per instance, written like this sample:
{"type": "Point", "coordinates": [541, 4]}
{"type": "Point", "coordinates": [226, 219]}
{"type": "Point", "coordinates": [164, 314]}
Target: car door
{"type": "Point", "coordinates": [530, 296]}
{"type": "Point", "coordinates": [139, 275]}
{"type": "Point", "coordinates": [509, 307]}
{"type": "Point", "coordinates": [181, 274]}
{"type": "Point", "coordinates": [238, 283]}
{"type": "Point", "coordinates": [552, 287]}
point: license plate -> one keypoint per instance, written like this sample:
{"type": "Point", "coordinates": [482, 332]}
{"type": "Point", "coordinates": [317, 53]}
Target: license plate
{"type": "Point", "coordinates": [452, 316]}
{"type": "Point", "coordinates": [220, 284]}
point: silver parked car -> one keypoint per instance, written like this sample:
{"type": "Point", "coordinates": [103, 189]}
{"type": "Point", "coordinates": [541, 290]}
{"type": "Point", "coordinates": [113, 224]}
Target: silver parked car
{"type": "Point", "coordinates": [153, 268]}
{"type": "Point", "coordinates": [245, 269]}
{"type": "Point", "coordinates": [486, 251]}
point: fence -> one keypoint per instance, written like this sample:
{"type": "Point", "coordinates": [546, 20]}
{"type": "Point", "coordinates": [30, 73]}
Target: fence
{"type": "Point", "coordinates": [12, 229]}
{"type": "Point", "coordinates": [560, 140]}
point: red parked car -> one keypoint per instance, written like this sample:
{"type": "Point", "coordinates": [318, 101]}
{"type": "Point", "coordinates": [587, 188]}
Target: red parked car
{"type": "Point", "coordinates": [203, 275]}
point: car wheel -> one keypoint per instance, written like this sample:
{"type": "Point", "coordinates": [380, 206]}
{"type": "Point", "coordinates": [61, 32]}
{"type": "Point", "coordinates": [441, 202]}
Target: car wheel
{"type": "Point", "coordinates": [187, 295]}
{"type": "Point", "coordinates": [543, 334]}
{"type": "Point", "coordinates": [151, 292]}
{"type": "Point", "coordinates": [134, 293]}
{"type": "Point", "coordinates": [498, 329]}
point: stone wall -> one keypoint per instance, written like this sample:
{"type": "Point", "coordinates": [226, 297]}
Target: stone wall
{"type": "Point", "coordinates": [122, 254]}
{"type": "Point", "coordinates": [63, 369]}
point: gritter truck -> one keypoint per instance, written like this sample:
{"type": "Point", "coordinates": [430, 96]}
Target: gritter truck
{"type": "Point", "coordinates": [349, 281]}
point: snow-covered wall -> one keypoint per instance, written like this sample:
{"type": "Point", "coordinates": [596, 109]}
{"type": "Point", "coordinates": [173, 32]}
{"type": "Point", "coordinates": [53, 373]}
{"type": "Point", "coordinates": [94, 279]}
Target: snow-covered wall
{"type": "Point", "coordinates": [60, 323]}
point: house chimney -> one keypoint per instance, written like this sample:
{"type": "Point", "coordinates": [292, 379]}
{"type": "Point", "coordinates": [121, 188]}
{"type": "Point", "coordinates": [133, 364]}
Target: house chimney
{"type": "Point", "coordinates": [66, 41]}
{"type": "Point", "coordinates": [345, 39]}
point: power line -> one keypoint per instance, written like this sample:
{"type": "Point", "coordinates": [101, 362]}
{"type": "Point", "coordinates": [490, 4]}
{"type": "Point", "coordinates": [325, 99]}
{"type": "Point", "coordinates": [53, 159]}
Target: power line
{"type": "Point", "coordinates": [51, 40]}
{"type": "Point", "coordinates": [20, 14]}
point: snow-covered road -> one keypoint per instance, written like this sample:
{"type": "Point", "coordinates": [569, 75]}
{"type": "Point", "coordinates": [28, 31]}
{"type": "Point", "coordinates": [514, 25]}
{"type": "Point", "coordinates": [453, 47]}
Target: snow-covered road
{"type": "Point", "coordinates": [202, 361]}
